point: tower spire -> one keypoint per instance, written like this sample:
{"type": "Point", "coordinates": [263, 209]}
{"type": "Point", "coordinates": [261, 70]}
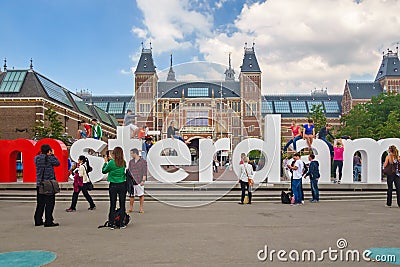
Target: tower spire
{"type": "Point", "coordinates": [31, 65]}
{"type": "Point", "coordinates": [171, 72]}
{"type": "Point", "coordinates": [229, 72]}
{"type": "Point", "coordinates": [5, 64]}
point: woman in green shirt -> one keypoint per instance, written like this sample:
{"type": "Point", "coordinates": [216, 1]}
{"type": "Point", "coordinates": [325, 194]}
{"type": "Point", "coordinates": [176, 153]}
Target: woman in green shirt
{"type": "Point", "coordinates": [116, 176]}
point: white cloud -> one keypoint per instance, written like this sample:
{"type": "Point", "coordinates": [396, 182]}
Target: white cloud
{"type": "Point", "coordinates": [300, 45]}
{"type": "Point", "coordinates": [305, 44]}
{"type": "Point", "coordinates": [172, 24]}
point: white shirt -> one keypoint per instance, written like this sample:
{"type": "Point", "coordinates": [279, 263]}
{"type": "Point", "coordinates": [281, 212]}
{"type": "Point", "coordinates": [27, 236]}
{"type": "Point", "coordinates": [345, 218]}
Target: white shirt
{"type": "Point", "coordinates": [82, 173]}
{"type": "Point", "coordinates": [243, 175]}
{"type": "Point", "coordinates": [297, 174]}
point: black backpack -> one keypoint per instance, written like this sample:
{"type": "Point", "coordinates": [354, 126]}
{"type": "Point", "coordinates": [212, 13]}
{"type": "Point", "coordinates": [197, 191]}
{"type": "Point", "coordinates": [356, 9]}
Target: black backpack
{"type": "Point", "coordinates": [285, 197]}
{"type": "Point", "coordinates": [117, 220]}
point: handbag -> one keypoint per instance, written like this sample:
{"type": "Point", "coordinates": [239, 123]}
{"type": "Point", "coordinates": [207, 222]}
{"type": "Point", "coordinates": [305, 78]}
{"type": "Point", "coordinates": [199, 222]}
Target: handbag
{"type": "Point", "coordinates": [89, 185]}
{"type": "Point", "coordinates": [390, 169]}
{"type": "Point", "coordinates": [48, 187]}
{"type": "Point", "coordinates": [250, 180]}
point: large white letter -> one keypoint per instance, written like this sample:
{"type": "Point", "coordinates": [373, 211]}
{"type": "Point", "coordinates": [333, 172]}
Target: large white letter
{"type": "Point", "coordinates": [81, 147]}
{"type": "Point", "coordinates": [270, 150]}
{"type": "Point", "coordinates": [125, 141]}
{"type": "Point", "coordinates": [156, 161]}
{"type": "Point", "coordinates": [206, 152]}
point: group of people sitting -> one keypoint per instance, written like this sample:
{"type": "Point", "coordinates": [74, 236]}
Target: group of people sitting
{"type": "Point", "coordinates": [90, 130]}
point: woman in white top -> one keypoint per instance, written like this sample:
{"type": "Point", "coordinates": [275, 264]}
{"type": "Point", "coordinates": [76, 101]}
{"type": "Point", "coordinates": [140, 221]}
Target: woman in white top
{"type": "Point", "coordinates": [81, 180]}
{"type": "Point", "coordinates": [246, 171]}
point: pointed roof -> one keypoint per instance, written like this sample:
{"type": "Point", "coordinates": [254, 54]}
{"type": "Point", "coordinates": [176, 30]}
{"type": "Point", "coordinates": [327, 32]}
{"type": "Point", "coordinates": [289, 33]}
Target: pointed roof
{"type": "Point", "coordinates": [364, 90]}
{"type": "Point", "coordinates": [390, 66]}
{"type": "Point", "coordinates": [229, 73]}
{"type": "Point", "coordinates": [146, 63]}
{"type": "Point", "coordinates": [250, 63]}
{"type": "Point", "coordinates": [171, 73]}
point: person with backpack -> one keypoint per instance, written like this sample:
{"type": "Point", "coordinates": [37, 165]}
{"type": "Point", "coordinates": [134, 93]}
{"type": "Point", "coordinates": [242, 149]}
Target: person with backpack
{"type": "Point", "coordinates": [313, 172]}
{"type": "Point", "coordinates": [297, 168]}
{"type": "Point", "coordinates": [115, 168]}
{"type": "Point", "coordinates": [82, 183]}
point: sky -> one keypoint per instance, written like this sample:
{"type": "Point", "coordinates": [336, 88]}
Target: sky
{"type": "Point", "coordinates": [300, 45]}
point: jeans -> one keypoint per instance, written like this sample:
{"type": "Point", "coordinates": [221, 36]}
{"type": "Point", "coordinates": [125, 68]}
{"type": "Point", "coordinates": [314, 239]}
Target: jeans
{"type": "Point", "coordinates": [296, 189]}
{"type": "Point", "coordinates": [338, 164]}
{"type": "Point", "coordinates": [44, 203]}
{"type": "Point", "coordinates": [245, 186]}
{"type": "Point", "coordinates": [390, 180]}
{"type": "Point", "coordinates": [356, 172]}
{"type": "Point", "coordinates": [293, 140]}
{"type": "Point", "coordinates": [314, 189]}
{"type": "Point", "coordinates": [117, 189]}
{"type": "Point", "coordinates": [179, 137]}
{"type": "Point", "coordinates": [85, 193]}
{"type": "Point", "coordinates": [328, 144]}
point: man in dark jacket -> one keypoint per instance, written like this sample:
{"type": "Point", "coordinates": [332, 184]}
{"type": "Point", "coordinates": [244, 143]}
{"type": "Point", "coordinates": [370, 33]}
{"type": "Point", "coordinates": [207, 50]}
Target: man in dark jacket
{"type": "Point", "coordinates": [45, 163]}
{"type": "Point", "coordinates": [313, 172]}
{"type": "Point", "coordinates": [323, 133]}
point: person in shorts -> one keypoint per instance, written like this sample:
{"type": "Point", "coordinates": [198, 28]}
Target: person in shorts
{"type": "Point", "coordinates": [138, 169]}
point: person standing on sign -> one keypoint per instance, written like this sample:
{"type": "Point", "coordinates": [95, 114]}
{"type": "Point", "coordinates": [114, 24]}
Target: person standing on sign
{"type": "Point", "coordinates": [45, 163]}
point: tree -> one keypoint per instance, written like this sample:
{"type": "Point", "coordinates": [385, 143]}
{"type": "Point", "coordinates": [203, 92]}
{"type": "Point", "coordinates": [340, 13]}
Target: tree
{"type": "Point", "coordinates": [318, 116]}
{"type": "Point", "coordinates": [377, 119]}
{"type": "Point", "coordinates": [51, 127]}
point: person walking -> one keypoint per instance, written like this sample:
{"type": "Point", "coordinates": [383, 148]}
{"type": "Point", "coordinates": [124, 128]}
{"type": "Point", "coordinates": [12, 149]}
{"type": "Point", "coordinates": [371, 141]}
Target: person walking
{"type": "Point", "coordinates": [97, 132]}
{"type": "Point", "coordinates": [296, 135]}
{"type": "Point", "coordinates": [246, 172]}
{"type": "Point", "coordinates": [338, 150]}
{"type": "Point", "coordinates": [45, 163]}
{"type": "Point", "coordinates": [115, 167]}
{"type": "Point", "coordinates": [138, 170]}
{"type": "Point", "coordinates": [313, 172]}
{"type": "Point", "coordinates": [297, 168]}
{"type": "Point", "coordinates": [392, 158]}
{"type": "Point", "coordinates": [81, 182]}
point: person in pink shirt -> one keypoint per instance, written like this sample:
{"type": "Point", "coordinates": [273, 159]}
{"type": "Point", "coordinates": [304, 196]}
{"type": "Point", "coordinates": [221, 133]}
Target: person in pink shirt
{"type": "Point", "coordinates": [338, 150]}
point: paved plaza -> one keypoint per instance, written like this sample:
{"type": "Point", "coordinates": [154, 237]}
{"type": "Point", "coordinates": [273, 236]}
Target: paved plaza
{"type": "Point", "coordinates": [219, 234]}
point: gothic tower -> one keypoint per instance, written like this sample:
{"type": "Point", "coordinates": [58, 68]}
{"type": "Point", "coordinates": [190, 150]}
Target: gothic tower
{"type": "Point", "coordinates": [250, 92]}
{"type": "Point", "coordinates": [145, 89]}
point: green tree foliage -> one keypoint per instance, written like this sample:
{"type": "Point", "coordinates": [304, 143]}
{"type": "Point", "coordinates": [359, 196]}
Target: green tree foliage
{"type": "Point", "coordinates": [50, 128]}
{"type": "Point", "coordinates": [377, 119]}
{"type": "Point", "coordinates": [317, 114]}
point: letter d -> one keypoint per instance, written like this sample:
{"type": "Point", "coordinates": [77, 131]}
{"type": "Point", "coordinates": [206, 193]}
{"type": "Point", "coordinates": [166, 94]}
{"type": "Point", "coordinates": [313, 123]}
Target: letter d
{"type": "Point", "coordinates": [263, 251]}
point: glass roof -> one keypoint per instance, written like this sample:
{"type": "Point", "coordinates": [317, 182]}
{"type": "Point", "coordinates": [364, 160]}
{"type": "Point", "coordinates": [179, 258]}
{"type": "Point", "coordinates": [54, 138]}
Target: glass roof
{"type": "Point", "coordinates": [81, 105]}
{"type": "Point", "coordinates": [12, 82]}
{"type": "Point", "coordinates": [331, 107]}
{"type": "Point", "coordinates": [202, 92]}
{"type": "Point", "coordinates": [54, 91]}
{"type": "Point", "coordinates": [266, 107]}
{"type": "Point", "coordinates": [298, 106]}
{"type": "Point", "coordinates": [103, 116]}
{"type": "Point", "coordinates": [102, 105]}
{"type": "Point", "coordinates": [282, 107]}
{"type": "Point", "coordinates": [116, 107]}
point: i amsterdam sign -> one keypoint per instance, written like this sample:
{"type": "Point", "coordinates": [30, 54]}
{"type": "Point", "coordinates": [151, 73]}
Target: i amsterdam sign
{"type": "Point", "coordinates": [371, 152]}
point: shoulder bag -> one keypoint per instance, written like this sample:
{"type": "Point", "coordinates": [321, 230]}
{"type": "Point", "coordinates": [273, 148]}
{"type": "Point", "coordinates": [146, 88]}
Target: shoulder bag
{"type": "Point", "coordinates": [251, 181]}
{"type": "Point", "coordinates": [390, 169]}
{"type": "Point", "coordinates": [48, 187]}
{"type": "Point", "coordinates": [88, 185]}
